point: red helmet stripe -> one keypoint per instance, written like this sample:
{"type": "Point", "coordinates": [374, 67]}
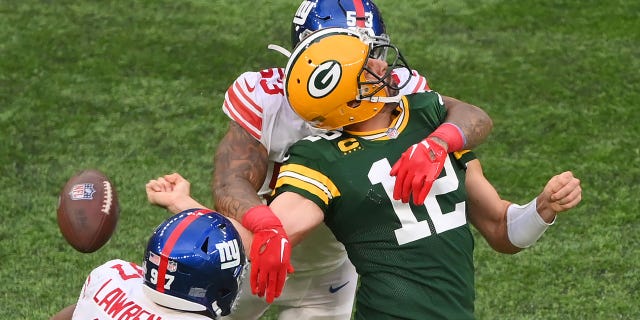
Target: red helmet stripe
{"type": "Point", "coordinates": [360, 18]}
{"type": "Point", "coordinates": [168, 247]}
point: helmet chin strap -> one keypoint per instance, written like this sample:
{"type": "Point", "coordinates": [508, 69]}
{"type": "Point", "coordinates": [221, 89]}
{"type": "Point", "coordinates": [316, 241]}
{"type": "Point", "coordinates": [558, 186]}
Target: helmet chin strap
{"type": "Point", "coordinates": [375, 99]}
{"type": "Point", "coordinates": [279, 49]}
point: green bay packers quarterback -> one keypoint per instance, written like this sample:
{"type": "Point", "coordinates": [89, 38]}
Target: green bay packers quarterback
{"type": "Point", "coordinates": [414, 261]}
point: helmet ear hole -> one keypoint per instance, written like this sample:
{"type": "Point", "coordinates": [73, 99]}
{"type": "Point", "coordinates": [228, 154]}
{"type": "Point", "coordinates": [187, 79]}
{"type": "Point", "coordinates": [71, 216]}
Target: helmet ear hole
{"type": "Point", "coordinates": [353, 104]}
{"type": "Point", "coordinates": [205, 246]}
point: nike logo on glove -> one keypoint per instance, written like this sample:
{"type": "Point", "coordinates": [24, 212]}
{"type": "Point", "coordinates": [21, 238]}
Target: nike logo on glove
{"type": "Point", "coordinates": [283, 242]}
{"type": "Point", "coordinates": [334, 290]}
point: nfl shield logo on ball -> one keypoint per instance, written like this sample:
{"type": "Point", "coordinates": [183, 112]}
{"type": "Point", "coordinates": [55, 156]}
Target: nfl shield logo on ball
{"type": "Point", "coordinates": [82, 191]}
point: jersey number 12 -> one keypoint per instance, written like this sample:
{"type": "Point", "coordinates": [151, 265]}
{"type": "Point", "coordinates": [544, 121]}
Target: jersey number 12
{"type": "Point", "coordinates": [412, 229]}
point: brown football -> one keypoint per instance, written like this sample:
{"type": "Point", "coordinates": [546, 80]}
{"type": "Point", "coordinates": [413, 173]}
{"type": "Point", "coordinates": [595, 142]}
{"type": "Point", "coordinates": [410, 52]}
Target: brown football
{"type": "Point", "coordinates": [88, 210]}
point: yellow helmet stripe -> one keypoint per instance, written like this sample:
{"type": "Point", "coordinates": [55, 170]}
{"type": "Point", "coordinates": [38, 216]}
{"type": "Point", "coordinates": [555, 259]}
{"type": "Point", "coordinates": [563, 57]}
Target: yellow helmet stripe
{"type": "Point", "coordinates": [308, 179]}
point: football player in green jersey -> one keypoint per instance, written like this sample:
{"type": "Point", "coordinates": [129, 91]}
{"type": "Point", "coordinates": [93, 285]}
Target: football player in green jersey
{"type": "Point", "coordinates": [415, 261]}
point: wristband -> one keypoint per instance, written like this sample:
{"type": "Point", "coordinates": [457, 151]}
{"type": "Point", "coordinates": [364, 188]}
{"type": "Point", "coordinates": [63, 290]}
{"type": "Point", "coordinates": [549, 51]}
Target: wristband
{"type": "Point", "coordinates": [452, 135]}
{"type": "Point", "coordinates": [259, 218]}
{"type": "Point", "coordinates": [524, 224]}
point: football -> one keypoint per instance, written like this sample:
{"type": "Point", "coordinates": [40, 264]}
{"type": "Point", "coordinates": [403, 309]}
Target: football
{"type": "Point", "coordinates": [88, 210]}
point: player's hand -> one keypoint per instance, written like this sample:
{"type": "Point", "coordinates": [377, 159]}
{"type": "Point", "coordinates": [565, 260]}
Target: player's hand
{"type": "Point", "coordinates": [561, 193]}
{"type": "Point", "coordinates": [270, 252]}
{"type": "Point", "coordinates": [417, 169]}
{"type": "Point", "coordinates": [165, 190]}
{"type": "Point", "coordinates": [172, 192]}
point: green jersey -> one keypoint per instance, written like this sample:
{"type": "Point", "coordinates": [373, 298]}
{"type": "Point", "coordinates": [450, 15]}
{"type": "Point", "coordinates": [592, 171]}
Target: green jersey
{"type": "Point", "coordinates": [414, 262]}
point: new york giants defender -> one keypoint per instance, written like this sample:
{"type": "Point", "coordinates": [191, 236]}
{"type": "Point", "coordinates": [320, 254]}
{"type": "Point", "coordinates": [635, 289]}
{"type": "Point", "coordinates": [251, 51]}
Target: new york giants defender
{"type": "Point", "coordinates": [263, 126]}
{"type": "Point", "coordinates": [191, 270]}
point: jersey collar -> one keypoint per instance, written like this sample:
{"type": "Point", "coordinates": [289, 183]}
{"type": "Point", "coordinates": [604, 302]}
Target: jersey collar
{"type": "Point", "coordinates": [397, 125]}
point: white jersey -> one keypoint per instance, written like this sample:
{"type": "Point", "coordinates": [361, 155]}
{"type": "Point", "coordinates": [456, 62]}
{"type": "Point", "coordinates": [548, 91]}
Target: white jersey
{"type": "Point", "coordinates": [256, 102]}
{"type": "Point", "coordinates": [114, 291]}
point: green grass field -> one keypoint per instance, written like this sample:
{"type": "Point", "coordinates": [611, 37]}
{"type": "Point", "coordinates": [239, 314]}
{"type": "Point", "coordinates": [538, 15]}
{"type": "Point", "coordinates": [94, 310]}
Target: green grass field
{"type": "Point", "coordinates": [134, 88]}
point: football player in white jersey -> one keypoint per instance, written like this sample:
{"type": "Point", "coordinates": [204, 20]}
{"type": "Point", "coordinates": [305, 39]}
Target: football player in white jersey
{"type": "Point", "coordinates": [192, 269]}
{"type": "Point", "coordinates": [263, 126]}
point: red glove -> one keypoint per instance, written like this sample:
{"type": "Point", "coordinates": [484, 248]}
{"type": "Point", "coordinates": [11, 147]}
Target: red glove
{"type": "Point", "coordinates": [270, 252]}
{"type": "Point", "coordinates": [422, 163]}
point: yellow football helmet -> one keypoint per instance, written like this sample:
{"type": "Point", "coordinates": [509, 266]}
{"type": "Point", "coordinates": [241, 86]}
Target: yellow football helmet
{"type": "Point", "coordinates": [325, 79]}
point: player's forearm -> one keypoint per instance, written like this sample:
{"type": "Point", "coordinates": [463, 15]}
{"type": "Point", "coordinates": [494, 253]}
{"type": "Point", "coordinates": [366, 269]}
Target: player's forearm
{"type": "Point", "coordinates": [487, 210]}
{"type": "Point", "coordinates": [234, 197]}
{"type": "Point", "coordinates": [240, 169]}
{"type": "Point", "coordinates": [474, 122]}
{"type": "Point", "coordinates": [488, 216]}
{"type": "Point", "coordinates": [183, 204]}
{"type": "Point", "coordinates": [288, 206]}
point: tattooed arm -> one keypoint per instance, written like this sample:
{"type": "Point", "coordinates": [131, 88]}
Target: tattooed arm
{"type": "Point", "coordinates": [474, 122]}
{"type": "Point", "coordinates": [240, 169]}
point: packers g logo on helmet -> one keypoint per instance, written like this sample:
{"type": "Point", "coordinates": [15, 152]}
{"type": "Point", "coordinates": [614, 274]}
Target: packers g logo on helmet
{"type": "Point", "coordinates": [324, 78]}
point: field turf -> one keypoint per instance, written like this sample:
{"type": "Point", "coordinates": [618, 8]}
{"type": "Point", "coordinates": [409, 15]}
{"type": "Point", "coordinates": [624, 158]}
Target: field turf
{"type": "Point", "coordinates": [134, 88]}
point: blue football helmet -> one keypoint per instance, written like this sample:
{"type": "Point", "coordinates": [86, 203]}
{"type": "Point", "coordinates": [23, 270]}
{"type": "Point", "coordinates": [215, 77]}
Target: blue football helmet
{"type": "Point", "coordinates": [194, 262]}
{"type": "Point", "coordinates": [361, 15]}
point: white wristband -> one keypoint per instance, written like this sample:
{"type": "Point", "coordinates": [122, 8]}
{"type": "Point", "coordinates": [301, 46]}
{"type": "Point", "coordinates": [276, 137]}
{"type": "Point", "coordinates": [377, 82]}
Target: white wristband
{"type": "Point", "coordinates": [524, 224]}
